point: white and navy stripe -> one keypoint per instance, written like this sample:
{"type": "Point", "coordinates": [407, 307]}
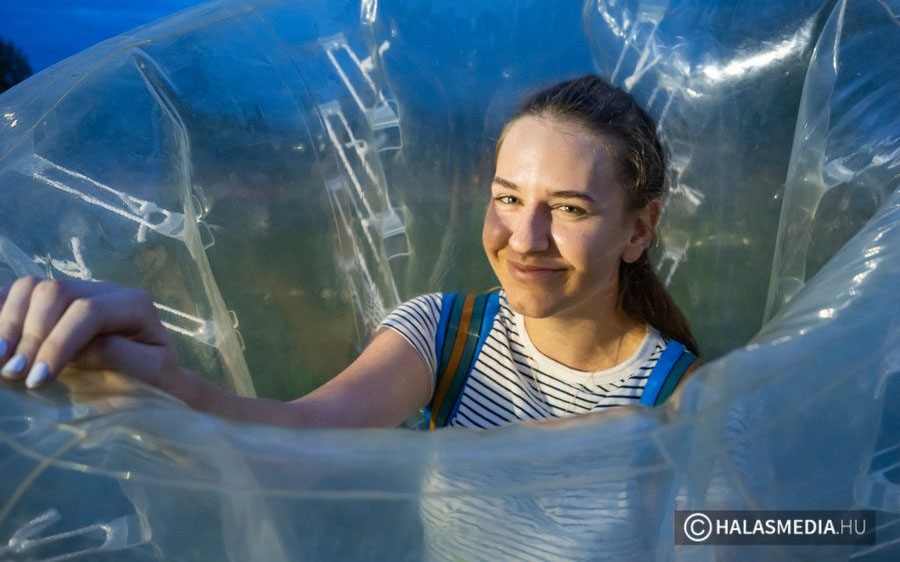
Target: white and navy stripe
{"type": "Point", "coordinates": [512, 381]}
{"type": "Point", "coordinates": [417, 321]}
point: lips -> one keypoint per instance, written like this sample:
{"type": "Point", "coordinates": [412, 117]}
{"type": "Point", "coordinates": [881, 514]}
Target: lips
{"type": "Point", "coordinates": [529, 272]}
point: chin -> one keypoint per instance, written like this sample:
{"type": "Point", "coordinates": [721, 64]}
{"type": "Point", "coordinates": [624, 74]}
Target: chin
{"type": "Point", "coordinates": [532, 306]}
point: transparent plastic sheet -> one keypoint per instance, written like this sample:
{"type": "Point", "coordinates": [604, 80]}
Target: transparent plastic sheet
{"type": "Point", "coordinates": [278, 175]}
{"type": "Point", "coordinates": [725, 88]}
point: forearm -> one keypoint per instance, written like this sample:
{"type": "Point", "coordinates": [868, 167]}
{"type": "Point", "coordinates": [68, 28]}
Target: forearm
{"type": "Point", "coordinates": [103, 327]}
{"type": "Point", "coordinates": [205, 396]}
{"type": "Point", "coordinates": [385, 384]}
{"type": "Point", "coordinates": [322, 408]}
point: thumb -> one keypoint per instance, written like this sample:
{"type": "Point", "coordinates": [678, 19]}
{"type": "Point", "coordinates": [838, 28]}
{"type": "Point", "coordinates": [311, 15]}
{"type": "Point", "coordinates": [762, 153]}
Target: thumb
{"type": "Point", "coordinates": [149, 363]}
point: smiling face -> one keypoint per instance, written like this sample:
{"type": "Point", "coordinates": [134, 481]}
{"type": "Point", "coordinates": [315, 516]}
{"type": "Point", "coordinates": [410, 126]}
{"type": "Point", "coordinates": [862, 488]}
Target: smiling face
{"type": "Point", "coordinates": [557, 226]}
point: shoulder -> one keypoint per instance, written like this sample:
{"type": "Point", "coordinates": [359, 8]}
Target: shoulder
{"type": "Point", "coordinates": [691, 370]}
{"type": "Point", "coordinates": [417, 317]}
{"type": "Point", "coordinates": [683, 362]}
{"type": "Point", "coordinates": [417, 321]}
{"type": "Point", "coordinates": [426, 299]}
{"type": "Point", "coordinates": [417, 308]}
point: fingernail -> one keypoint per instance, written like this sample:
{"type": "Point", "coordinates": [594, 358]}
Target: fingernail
{"type": "Point", "coordinates": [4, 347]}
{"type": "Point", "coordinates": [36, 375]}
{"type": "Point", "coordinates": [14, 366]}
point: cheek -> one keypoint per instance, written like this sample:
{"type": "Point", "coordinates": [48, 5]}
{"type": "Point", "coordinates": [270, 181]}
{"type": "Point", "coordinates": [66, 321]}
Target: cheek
{"type": "Point", "coordinates": [586, 250]}
{"type": "Point", "coordinates": [494, 233]}
{"type": "Point", "coordinates": [573, 245]}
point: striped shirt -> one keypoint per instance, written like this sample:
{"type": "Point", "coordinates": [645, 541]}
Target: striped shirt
{"type": "Point", "coordinates": [512, 381]}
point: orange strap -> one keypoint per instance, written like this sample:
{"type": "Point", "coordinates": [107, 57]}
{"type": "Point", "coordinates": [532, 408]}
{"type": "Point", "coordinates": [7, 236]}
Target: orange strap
{"type": "Point", "coordinates": [455, 356]}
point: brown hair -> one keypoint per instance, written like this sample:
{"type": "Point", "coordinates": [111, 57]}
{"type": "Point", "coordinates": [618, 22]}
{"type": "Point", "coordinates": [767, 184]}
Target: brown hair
{"type": "Point", "coordinates": [611, 113]}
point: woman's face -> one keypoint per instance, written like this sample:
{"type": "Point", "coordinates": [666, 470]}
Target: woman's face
{"type": "Point", "coordinates": [557, 226]}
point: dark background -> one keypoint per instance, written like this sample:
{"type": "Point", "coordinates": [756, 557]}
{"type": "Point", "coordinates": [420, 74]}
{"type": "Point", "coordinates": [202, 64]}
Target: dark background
{"type": "Point", "coordinates": [47, 31]}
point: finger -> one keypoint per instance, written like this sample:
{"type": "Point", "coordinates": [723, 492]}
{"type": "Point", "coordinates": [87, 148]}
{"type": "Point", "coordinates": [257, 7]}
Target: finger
{"type": "Point", "coordinates": [118, 353]}
{"type": "Point", "coordinates": [49, 300]}
{"type": "Point", "coordinates": [127, 312]}
{"type": "Point", "coordinates": [12, 318]}
{"type": "Point", "coordinates": [4, 292]}
{"type": "Point", "coordinates": [31, 310]}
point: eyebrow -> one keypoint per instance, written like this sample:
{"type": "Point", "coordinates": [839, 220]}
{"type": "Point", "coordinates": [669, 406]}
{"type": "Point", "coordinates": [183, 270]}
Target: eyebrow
{"type": "Point", "coordinates": [568, 194]}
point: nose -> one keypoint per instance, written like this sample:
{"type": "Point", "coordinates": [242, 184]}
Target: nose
{"type": "Point", "coordinates": [531, 230]}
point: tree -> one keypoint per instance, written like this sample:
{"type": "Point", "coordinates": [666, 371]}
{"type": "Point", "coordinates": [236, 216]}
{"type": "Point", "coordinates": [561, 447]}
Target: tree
{"type": "Point", "coordinates": [14, 66]}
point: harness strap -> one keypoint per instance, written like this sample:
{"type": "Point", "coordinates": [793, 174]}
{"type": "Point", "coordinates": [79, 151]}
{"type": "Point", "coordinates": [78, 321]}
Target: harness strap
{"type": "Point", "coordinates": [667, 373]}
{"type": "Point", "coordinates": [465, 323]}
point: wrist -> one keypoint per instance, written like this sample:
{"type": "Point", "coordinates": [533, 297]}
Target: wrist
{"type": "Point", "coordinates": [201, 394]}
{"type": "Point", "coordinates": [182, 384]}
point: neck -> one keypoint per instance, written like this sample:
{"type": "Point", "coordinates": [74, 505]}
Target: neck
{"type": "Point", "coordinates": [587, 343]}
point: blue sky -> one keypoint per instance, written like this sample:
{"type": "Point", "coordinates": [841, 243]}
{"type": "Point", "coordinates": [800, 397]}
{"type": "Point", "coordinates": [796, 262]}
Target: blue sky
{"type": "Point", "coordinates": [47, 31]}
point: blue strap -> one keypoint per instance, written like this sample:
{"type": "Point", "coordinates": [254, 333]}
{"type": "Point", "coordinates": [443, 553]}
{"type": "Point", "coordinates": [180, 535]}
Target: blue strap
{"type": "Point", "coordinates": [667, 373]}
{"type": "Point", "coordinates": [491, 306]}
{"type": "Point", "coordinates": [447, 302]}
{"type": "Point", "coordinates": [485, 309]}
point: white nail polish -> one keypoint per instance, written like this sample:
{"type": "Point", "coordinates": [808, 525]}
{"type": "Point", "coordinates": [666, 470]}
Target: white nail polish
{"type": "Point", "coordinates": [36, 375]}
{"type": "Point", "coordinates": [14, 366]}
{"type": "Point", "coordinates": [4, 346]}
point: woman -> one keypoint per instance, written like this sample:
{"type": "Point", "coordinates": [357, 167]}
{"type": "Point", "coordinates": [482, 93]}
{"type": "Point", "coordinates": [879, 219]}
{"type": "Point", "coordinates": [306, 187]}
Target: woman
{"type": "Point", "coordinates": [581, 322]}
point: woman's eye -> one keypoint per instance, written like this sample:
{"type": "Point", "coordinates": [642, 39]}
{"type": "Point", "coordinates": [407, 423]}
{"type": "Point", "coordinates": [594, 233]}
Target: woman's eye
{"type": "Point", "coordinates": [571, 209]}
{"type": "Point", "coordinates": [507, 199]}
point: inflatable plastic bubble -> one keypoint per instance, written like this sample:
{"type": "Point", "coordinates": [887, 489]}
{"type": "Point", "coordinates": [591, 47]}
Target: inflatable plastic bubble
{"type": "Point", "coordinates": [279, 175]}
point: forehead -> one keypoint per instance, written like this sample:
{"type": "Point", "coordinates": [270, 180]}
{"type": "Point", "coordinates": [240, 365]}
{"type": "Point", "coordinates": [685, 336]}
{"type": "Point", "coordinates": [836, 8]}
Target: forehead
{"type": "Point", "coordinates": [556, 154]}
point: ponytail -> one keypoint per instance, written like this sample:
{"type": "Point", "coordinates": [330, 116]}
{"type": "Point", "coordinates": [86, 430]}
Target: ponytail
{"type": "Point", "coordinates": [644, 298]}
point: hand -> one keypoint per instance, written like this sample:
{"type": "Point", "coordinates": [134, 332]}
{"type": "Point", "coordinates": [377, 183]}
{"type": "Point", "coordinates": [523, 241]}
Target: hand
{"type": "Point", "coordinates": [47, 324]}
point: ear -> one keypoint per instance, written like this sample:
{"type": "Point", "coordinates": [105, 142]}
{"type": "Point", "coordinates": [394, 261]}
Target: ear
{"type": "Point", "coordinates": [643, 225]}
